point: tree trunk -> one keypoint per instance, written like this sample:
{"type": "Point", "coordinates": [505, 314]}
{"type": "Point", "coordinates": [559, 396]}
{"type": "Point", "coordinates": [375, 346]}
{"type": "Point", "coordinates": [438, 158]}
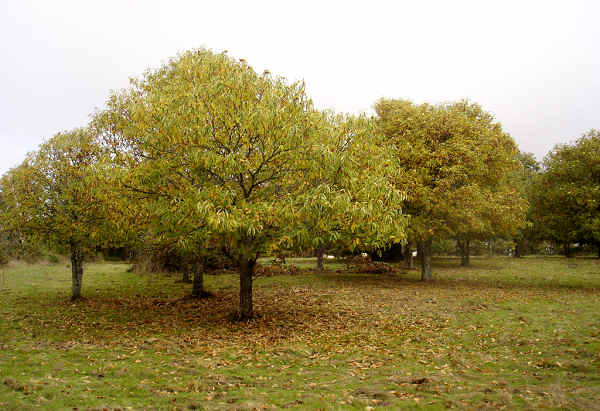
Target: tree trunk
{"type": "Point", "coordinates": [518, 250]}
{"type": "Point", "coordinates": [281, 258]}
{"type": "Point", "coordinates": [465, 252]}
{"type": "Point", "coordinates": [567, 250]}
{"type": "Point", "coordinates": [246, 272]}
{"type": "Point", "coordinates": [185, 275]}
{"type": "Point", "coordinates": [490, 248]}
{"type": "Point", "coordinates": [76, 269]}
{"type": "Point", "coordinates": [198, 286]}
{"type": "Point", "coordinates": [424, 251]}
{"type": "Point", "coordinates": [320, 252]}
{"type": "Point", "coordinates": [408, 256]}
{"type": "Point", "coordinates": [598, 245]}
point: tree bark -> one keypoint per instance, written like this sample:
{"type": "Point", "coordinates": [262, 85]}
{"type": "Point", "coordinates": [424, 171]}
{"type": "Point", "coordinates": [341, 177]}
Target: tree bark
{"type": "Point", "coordinates": [408, 257]}
{"type": "Point", "coordinates": [518, 250]}
{"type": "Point", "coordinates": [185, 275]}
{"type": "Point", "coordinates": [198, 285]}
{"type": "Point", "coordinates": [465, 257]}
{"type": "Point", "coordinates": [465, 252]}
{"type": "Point", "coordinates": [246, 272]}
{"type": "Point", "coordinates": [320, 252]}
{"type": "Point", "coordinates": [424, 251]}
{"type": "Point", "coordinates": [76, 269]}
{"type": "Point", "coordinates": [567, 250]}
{"type": "Point", "coordinates": [281, 258]}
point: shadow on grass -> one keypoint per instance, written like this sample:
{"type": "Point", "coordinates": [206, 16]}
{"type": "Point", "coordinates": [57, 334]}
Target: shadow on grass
{"type": "Point", "coordinates": [281, 316]}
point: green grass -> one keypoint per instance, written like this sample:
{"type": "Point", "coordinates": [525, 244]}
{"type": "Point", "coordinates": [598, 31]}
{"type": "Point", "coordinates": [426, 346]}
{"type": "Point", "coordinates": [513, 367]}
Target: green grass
{"type": "Point", "coordinates": [503, 333]}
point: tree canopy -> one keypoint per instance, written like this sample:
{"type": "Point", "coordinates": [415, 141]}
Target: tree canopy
{"type": "Point", "coordinates": [57, 194]}
{"type": "Point", "coordinates": [233, 154]}
{"type": "Point", "coordinates": [566, 195]}
{"type": "Point", "coordinates": [353, 203]}
{"type": "Point", "coordinates": [204, 156]}
{"type": "Point", "coordinates": [454, 160]}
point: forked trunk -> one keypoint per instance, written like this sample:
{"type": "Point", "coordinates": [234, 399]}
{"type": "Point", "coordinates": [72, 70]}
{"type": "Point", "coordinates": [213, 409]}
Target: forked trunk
{"type": "Point", "coordinates": [76, 269]}
{"type": "Point", "coordinates": [424, 251]}
{"type": "Point", "coordinates": [320, 253]}
{"type": "Point", "coordinates": [246, 272]}
{"type": "Point", "coordinates": [198, 286]}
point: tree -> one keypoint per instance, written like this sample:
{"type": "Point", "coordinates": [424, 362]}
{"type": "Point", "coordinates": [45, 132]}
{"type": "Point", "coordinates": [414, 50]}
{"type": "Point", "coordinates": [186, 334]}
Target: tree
{"type": "Point", "coordinates": [353, 205]}
{"type": "Point", "coordinates": [57, 194]}
{"type": "Point", "coordinates": [566, 196]}
{"type": "Point", "coordinates": [527, 237]}
{"type": "Point", "coordinates": [497, 210]}
{"type": "Point", "coordinates": [454, 158]}
{"type": "Point", "coordinates": [235, 149]}
{"type": "Point", "coordinates": [175, 227]}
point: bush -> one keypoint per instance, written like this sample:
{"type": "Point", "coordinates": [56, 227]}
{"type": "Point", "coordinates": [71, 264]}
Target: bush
{"type": "Point", "coordinates": [52, 259]}
{"type": "Point", "coordinates": [362, 264]}
{"type": "Point", "coordinates": [275, 269]}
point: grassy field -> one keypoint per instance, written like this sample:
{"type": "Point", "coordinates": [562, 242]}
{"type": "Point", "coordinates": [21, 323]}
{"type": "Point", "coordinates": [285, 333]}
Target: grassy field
{"type": "Point", "coordinates": [503, 333]}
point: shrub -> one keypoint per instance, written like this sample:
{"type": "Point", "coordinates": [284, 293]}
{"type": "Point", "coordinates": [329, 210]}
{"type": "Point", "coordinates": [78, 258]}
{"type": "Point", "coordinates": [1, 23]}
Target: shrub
{"type": "Point", "coordinates": [362, 264]}
{"type": "Point", "coordinates": [275, 270]}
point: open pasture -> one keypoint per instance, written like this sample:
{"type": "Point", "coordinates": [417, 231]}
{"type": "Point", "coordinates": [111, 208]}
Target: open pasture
{"type": "Point", "coordinates": [504, 333]}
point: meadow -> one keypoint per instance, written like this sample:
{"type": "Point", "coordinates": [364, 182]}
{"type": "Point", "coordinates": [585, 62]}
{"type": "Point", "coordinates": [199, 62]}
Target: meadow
{"type": "Point", "coordinates": [503, 333]}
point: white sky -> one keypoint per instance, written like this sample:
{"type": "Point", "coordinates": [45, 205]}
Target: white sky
{"type": "Point", "coordinates": [534, 64]}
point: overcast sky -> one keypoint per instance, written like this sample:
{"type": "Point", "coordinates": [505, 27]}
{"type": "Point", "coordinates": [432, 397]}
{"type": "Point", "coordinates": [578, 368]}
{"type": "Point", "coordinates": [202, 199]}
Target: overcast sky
{"type": "Point", "coordinates": [534, 64]}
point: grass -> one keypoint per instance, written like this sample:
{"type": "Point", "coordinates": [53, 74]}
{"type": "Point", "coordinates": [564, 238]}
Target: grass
{"type": "Point", "coordinates": [503, 333]}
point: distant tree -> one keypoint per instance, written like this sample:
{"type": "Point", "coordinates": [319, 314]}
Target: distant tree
{"type": "Point", "coordinates": [455, 159]}
{"type": "Point", "coordinates": [498, 210]}
{"type": "Point", "coordinates": [175, 228]}
{"type": "Point", "coordinates": [237, 151]}
{"type": "Point", "coordinates": [353, 205]}
{"type": "Point", "coordinates": [566, 196]}
{"type": "Point", "coordinates": [526, 238]}
{"type": "Point", "coordinates": [58, 194]}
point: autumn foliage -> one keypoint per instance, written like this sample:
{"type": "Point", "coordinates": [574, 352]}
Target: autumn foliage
{"type": "Point", "coordinates": [204, 158]}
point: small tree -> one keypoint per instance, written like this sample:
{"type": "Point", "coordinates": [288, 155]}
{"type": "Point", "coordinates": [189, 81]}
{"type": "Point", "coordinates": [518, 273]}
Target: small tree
{"type": "Point", "coordinates": [58, 194]}
{"type": "Point", "coordinates": [566, 196]}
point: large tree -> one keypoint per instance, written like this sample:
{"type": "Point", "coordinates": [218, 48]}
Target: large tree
{"type": "Point", "coordinates": [566, 196]}
{"type": "Point", "coordinates": [59, 194]}
{"type": "Point", "coordinates": [454, 159]}
{"type": "Point", "coordinates": [234, 148]}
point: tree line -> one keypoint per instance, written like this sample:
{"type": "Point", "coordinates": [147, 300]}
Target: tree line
{"type": "Point", "coordinates": [204, 157]}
